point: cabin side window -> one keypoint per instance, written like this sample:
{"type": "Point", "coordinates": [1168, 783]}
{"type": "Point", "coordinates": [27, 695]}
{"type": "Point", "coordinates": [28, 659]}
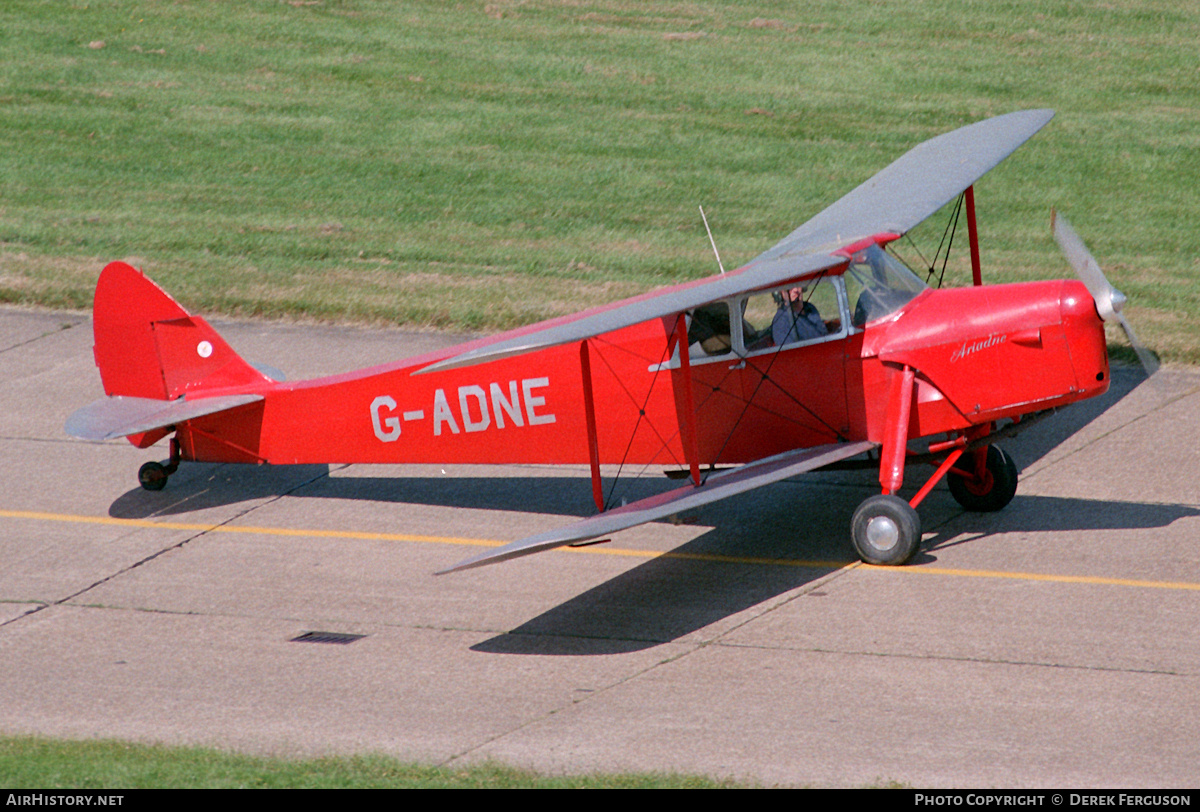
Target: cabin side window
{"type": "Point", "coordinates": [796, 314]}
{"type": "Point", "coordinates": [801, 313]}
{"type": "Point", "coordinates": [709, 331]}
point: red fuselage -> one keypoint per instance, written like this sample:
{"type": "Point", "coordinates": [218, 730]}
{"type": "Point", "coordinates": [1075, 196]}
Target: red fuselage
{"type": "Point", "coordinates": [979, 354]}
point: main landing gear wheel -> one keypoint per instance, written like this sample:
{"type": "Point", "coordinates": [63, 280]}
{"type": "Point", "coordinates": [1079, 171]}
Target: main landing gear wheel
{"type": "Point", "coordinates": [886, 530]}
{"type": "Point", "coordinates": [153, 476]}
{"type": "Point", "coordinates": [991, 491]}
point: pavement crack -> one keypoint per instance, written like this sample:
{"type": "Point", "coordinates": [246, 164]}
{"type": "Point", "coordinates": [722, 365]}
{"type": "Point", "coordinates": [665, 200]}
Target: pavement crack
{"type": "Point", "coordinates": [159, 553]}
{"type": "Point", "coordinates": [965, 659]}
{"type": "Point", "coordinates": [694, 648]}
{"type": "Point", "coordinates": [1047, 464]}
{"type": "Point", "coordinates": [28, 341]}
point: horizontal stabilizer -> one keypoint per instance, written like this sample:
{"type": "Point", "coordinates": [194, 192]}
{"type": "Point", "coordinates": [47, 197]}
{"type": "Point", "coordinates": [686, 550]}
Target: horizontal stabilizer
{"type": "Point", "coordinates": [274, 373]}
{"type": "Point", "coordinates": [718, 486]}
{"type": "Point", "coordinates": [121, 416]}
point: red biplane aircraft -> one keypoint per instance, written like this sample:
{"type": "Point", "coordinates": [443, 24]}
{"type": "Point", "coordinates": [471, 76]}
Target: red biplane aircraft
{"type": "Point", "coordinates": [824, 348]}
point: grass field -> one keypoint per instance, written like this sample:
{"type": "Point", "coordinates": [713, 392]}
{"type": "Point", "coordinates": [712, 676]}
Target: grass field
{"type": "Point", "coordinates": [34, 763]}
{"type": "Point", "coordinates": [480, 165]}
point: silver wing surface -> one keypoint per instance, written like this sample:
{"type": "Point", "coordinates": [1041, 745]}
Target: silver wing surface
{"type": "Point", "coordinates": [718, 486]}
{"type": "Point", "coordinates": [895, 200]}
{"type": "Point", "coordinates": [649, 306]}
{"type": "Point", "coordinates": [120, 416]}
{"type": "Point", "coordinates": [912, 187]}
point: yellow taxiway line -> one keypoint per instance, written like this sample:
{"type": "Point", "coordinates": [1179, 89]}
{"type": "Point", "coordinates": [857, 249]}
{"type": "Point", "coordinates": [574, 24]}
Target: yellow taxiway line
{"type": "Point", "coordinates": [595, 550]}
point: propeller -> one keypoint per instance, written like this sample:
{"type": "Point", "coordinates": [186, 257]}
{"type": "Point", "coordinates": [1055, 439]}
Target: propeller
{"type": "Point", "coordinates": [1109, 300]}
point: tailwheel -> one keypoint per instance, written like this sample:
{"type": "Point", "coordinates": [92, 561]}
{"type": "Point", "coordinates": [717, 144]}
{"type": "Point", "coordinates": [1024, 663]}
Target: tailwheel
{"type": "Point", "coordinates": [886, 530]}
{"type": "Point", "coordinates": [988, 487]}
{"type": "Point", "coordinates": [153, 476]}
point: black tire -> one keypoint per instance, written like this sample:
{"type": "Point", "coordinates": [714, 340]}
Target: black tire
{"type": "Point", "coordinates": [153, 476]}
{"type": "Point", "coordinates": [995, 492]}
{"type": "Point", "coordinates": [886, 530]}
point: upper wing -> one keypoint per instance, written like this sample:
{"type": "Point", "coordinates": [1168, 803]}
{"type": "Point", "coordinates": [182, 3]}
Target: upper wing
{"type": "Point", "coordinates": [716, 487]}
{"type": "Point", "coordinates": [912, 187]}
{"type": "Point", "coordinates": [895, 200]}
{"type": "Point", "coordinates": [653, 305]}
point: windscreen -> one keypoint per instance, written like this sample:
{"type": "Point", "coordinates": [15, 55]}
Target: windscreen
{"type": "Point", "coordinates": [878, 284]}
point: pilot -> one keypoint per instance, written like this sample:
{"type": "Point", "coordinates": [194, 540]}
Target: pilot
{"type": "Point", "coordinates": [796, 319]}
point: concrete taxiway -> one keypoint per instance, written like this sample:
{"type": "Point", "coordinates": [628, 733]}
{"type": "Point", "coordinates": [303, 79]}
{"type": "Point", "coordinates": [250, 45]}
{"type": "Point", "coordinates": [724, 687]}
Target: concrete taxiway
{"type": "Point", "coordinates": [1051, 644]}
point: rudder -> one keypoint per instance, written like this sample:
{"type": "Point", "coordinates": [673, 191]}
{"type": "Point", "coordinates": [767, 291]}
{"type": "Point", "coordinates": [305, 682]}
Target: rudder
{"type": "Point", "coordinates": [148, 346]}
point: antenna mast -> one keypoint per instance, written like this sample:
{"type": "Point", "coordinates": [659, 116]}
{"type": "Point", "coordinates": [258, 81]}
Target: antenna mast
{"type": "Point", "coordinates": [712, 241]}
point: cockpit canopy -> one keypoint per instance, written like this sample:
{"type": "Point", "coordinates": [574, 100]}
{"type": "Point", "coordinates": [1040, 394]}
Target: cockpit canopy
{"type": "Point", "coordinates": [878, 284]}
{"type": "Point", "coordinates": [820, 308]}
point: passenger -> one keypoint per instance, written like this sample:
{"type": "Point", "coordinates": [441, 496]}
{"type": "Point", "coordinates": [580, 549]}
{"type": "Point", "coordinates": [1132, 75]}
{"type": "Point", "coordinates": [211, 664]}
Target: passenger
{"type": "Point", "coordinates": [796, 319]}
{"type": "Point", "coordinates": [709, 329]}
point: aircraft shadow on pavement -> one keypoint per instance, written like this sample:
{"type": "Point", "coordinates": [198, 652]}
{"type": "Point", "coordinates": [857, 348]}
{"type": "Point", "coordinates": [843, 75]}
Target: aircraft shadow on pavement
{"type": "Point", "coordinates": [198, 486]}
{"type": "Point", "coordinates": [1053, 514]}
{"type": "Point", "coordinates": [670, 597]}
{"type": "Point", "coordinates": [657, 602]}
{"type": "Point", "coordinates": [757, 550]}
{"type": "Point", "coordinates": [216, 485]}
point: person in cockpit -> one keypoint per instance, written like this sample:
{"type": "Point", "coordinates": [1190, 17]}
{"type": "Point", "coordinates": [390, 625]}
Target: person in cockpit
{"type": "Point", "coordinates": [796, 319]}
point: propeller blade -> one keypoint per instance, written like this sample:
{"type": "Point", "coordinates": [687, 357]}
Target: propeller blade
{"type": "Point", "coordinates": [1109, 300]}
{"type": "Point", "coordinates": [1149, 362]}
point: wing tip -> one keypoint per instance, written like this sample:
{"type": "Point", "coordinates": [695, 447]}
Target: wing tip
{"type": "Point", "coordinates": [481, 560]}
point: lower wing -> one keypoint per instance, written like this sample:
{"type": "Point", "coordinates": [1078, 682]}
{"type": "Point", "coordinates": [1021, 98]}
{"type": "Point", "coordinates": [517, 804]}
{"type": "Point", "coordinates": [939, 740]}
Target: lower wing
{"type": "Point", "coordinates": [718, 486]}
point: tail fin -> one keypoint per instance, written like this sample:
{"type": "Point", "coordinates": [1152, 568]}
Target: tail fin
{"type": "Point", "coordinates": [148, 346]}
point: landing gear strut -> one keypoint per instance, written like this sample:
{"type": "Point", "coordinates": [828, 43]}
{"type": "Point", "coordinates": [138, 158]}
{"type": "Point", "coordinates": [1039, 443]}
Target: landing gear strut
{"type": "Point", "coordinates": [986, 482]}
{"type": "Point", "coordinates": [153, 475]}
{"type": "Point", "coordinates": [886, 529]}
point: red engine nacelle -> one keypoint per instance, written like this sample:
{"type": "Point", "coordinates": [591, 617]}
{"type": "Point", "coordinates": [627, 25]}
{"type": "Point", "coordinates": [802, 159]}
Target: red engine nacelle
{"type": "Point", "coordinates": [993, 352]}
